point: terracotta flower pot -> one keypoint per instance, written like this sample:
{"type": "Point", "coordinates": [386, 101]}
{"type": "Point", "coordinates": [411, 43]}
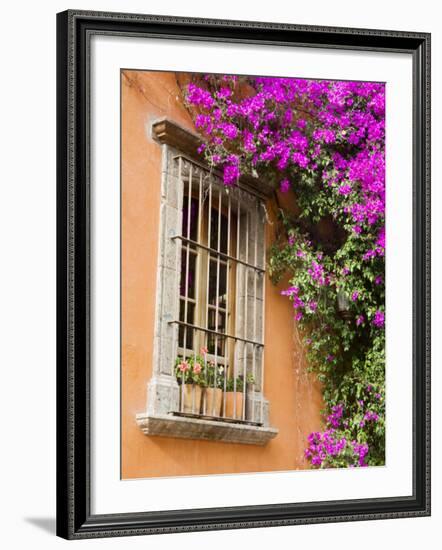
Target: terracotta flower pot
{"type": "Point", "coordinates": [234, 403]}
{"type": "Point", "coordinates": [213, 398]}
{"type": "Point", "coordinates": [191, 397]}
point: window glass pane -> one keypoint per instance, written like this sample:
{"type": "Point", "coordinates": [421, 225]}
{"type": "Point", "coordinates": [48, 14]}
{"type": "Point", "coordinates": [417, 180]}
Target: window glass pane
{"type": "Point", "coordinates": [216, 345]}
{"type": "Point", "coordinates": [214, 231]}
{"type": "Point", "coordinates": [221, 327]}
{"type": "Point", "coordinates": [193, 228]}
{"type": "Point", "coordinates": [222, 283]}
{"type": "Point", "coordinates": [191, 273]}
{"type": "Point", "coordinates": [186, 332]}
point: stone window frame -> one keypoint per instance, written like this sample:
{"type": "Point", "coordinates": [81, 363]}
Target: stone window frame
{"type": "Point", "coordinates": [163, 390]}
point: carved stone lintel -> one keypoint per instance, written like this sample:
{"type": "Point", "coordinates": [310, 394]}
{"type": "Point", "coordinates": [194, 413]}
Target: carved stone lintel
{"type": "Point", "coordinates": [168, 132]}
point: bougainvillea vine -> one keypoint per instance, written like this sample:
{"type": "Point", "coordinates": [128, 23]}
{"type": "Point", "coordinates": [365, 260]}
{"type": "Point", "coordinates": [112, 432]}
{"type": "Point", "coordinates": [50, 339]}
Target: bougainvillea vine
{"type": "Point", "coordinates": [323, 141]}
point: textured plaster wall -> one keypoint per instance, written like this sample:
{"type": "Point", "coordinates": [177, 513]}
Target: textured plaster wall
{"type": "Point", "coordinates": [294, 395]}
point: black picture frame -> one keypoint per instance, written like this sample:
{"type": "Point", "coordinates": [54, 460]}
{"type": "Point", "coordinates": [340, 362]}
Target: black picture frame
{"type": "Point", "coordinates": [74, 518]}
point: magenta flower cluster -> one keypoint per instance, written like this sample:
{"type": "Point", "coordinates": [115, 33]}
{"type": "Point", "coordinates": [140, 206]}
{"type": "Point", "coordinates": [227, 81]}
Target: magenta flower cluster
{"type": "Point", "coordinates": [289, 125]}
{"type": "Point", "coordinates": [298, 303]}
{"type": "Point", "coordinates": [316, 272]}
{"type": "Point", "coordinates": [361, 451]}
{"type": "Point", "coordinates": [323, 446]}
{"type": "Point", "coordinates": [379, 318]}
{"type": "Point", "coordinates": [325, 139]}
{"type": "Point", "coordinates": [340, 427]}
{"type": "Point", "coordinates": [337, 106]}
{"type": "Point", "coordinates": [334, 419]}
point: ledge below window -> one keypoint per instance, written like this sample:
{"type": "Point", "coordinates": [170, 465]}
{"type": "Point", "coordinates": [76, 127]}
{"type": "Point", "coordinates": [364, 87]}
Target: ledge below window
{"type": "Point", "coordinates": [184, 427]}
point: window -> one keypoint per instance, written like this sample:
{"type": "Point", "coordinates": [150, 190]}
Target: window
{"type": "Point", "coordinates": [210, 309]}
{"type": "Point", "coordinates": [207, 304]}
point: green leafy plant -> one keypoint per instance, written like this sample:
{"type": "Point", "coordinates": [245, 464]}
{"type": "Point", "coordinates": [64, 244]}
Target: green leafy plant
{"type": "Point", "coordinates": [214, 375]}
{"type": "Point", "coordinates": [238, 385]}
{"type": "Point", "coordinates": [347, 354]}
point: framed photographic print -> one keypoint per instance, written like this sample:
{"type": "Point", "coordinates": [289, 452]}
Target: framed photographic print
{"type": "Point", "coordinates": [243, 274]}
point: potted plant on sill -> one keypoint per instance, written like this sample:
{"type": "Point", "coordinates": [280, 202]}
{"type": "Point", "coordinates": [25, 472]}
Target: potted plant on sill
{"type": "Point", "coordinates": [213, 391]}
{"type": "Point", "coordinates": [234, 396]}
{"type": "Point", "coordinates": [190, 376]}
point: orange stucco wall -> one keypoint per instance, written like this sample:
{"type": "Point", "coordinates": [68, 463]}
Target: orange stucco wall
{"type": "Point", "coordinates": [294, 395]}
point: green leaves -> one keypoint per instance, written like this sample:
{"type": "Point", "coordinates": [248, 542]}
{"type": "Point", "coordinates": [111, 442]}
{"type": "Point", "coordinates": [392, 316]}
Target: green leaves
{"type": "Point", "coordinates": [348, 358]}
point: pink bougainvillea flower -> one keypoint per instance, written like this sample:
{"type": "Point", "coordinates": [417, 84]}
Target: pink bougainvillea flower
{"type": "Point", "coordinates": [290, 291]}
{"type": "Point", "coordinates": [379, 318]}
{"type": "Point", "coordinates": [344, 190]}
{"type": "Point", "coordinates": [359, 320]}
{"type": "Point", "coordinates": [229, 130]}
{"type": "Point", "coordinates": [301, 123]}
{"type": "Point", "coordinates": [224, 93]}
{"type": "Point", "coordinates": [371, 416]}
{"type": "Point", "coordinates": [284, 185]}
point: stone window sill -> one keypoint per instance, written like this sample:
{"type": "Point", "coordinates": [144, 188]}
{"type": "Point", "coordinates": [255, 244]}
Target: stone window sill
{"type": "Point", "coordinates": [170, 425]}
